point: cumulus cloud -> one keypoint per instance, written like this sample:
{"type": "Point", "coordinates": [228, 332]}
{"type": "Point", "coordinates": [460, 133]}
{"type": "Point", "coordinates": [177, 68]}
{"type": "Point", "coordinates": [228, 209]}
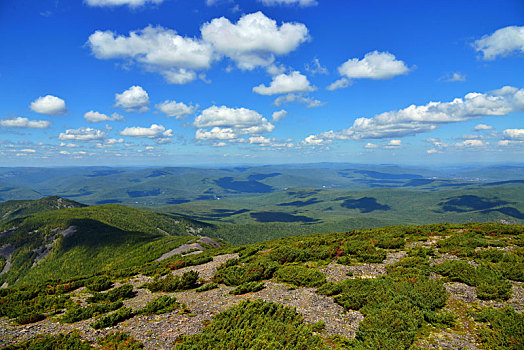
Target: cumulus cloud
{"type": "Point", "coordinates": [420, 119]}
{"type": "Point", "coordinates": [471, 143]}
{"type": "Point", "coordinates": [175, 109]}
{"type": "Point", "coordinates": [339, 84]}
{"type": "Point", "coordinates": [134, 99]}
{"type": "Point", "coordinates": [49, 105]}
{"type": "Point", "coordinates": [502, 42]}
{"type": "Point", "coordinates": [517, 134]}
{"type": "Point", "coordinates": [96, 117]}
{"type": "Point", "coordinates": [156, 132]}
{"type": "Point", "coordinates": [279, 115]}
{"type": "Point", "coordinates": [82, 134]}
{"type": "Point", "coordinates": [285, 83]}
{"type": "Point", "coordinates": [370, 145]}
{"type": "Point", "coordinates": [24, 123]}
{"type": "Point", "coordinates": [113, 3]}
{"type": "Point", "coordinates": [254, 40]}
{"type": "Point", "coordinates": [480, 127]}
{"type": "Point", "coordinates": [224, 123]}
{"type": "Point", "coordinates": [394, 144]}
{"type": "Point", "coordinates": [301, 3]}
{"type": "Point", "coordinates": [157, 49]}
{"type": "Point", "coordinates": [28, 150]}
{"type": "Point", "coordinates": [309, 102]}
{"type": "Point", "coordinates": [375, 65]}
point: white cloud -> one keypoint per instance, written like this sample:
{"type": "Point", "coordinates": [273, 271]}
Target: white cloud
{"type": "Point", "coordinates": [64, 152]}
{"type": "Point", "coordinates": [158, 49]}
{"type": "Point", "coordinates": [50, 105]}
{"type": "Point", "coordinates": [259, 140]}
{"type": "Point", "coordinates": [113, 141]}
{"type": "Point", "coordinates": [230, 124]}
{"type": "Point", "coordinates": [471, 143]}
{"type": "Point", "coordinates": [309, 102]}
{"type": "Point", "coordinates": [374, 65]}
{"type": "Point", "coordinates": [454, 77]}
{"type": "Point", "coordinates": [370, 145]}
{"type": "Point", "coordinates": [420, 119]}
{"type": "Point", "coordinates": [514, 134]}
{"type": "Point", "coordinates": [254, 40]}
{"type": "Point", "coordinates": [96, 117]}
{"type": "Point", "coordinates": [275, 69]}
{"type": "Point", "coordinates": [82, 134]}
{"type": "Point", "coordinates": [285, 83]}
{"type": "Point", "coordinates": [134, 99]}
{"type": "Point", "coordinates": [113, 3]}
{"type": "Point", "coordinates": [395, 143]}
{"type": "Point", "coordinates": [156, 132]}
{"type": "Point", "coordinates": [502, 42]}
{"type": "Point", "coordinates": [339, 84]}
{"type": "Point", "coordinates": [175, 109]}
{"type": "Point", "coordinates": [279, 115]}
{"type": "Point", "coordinates": [432, 151]}
{"type": "Point", "coordinates": [301, 3]}
{"type": "Point", "coordinates": [316, 67]}
{"type": "Point", "coordinates": [69, 145]}
{"type": "Point", "coordinates": [28, 150]}
{"type": "Point", "coordinates": [24, 123]}
{"type": "Point", "coordinates": [480, 127]}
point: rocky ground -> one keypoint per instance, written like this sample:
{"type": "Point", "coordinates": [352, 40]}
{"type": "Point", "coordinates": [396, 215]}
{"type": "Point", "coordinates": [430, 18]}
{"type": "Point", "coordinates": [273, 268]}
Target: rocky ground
{"type": "Point", "coordinates": [160, 331]}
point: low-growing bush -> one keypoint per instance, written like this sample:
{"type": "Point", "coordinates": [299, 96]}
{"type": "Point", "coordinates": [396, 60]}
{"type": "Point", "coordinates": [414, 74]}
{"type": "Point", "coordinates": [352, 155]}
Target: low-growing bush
{"type": "Point", "coordinates": [300, 276]}
{"type": "Point", "coordinates": [234, 275]}
{"type": "Point", "coordinates": [99, 284]}
{"type": "Point", "coordinates": [120, 293]}
{"type": "Point", "coordinates": [206, 287]}
{"type": "Point", "coordinates": [249, 287]}
{"type": "Point", "coordinates": [172, 283]}
{"type": "Point", "coordinates": [76, 314]}
{"type": "Point", "coordinates": [113, 318]}
{"type": "Point", "coordinates": [119, 341]}
{"type": "Point", "coordinates": [255, 325]}
{"type": "Point", "coordinates": [504, 328]}
{"type": "Point", "coordinates": [160, 305]}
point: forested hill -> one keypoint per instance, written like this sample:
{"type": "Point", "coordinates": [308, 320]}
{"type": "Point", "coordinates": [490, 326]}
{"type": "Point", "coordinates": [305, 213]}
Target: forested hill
{"type": "Point", "coordinates": [13, 209]}
{"type": "Point", "coordinates": [78, 241]}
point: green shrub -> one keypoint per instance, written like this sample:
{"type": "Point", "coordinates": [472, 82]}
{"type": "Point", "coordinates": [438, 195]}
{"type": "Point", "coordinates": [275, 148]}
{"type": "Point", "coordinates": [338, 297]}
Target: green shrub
{"type": "Point", "coordinates": [30, 318]}
{"type": "Point", "coordinates": [83, 313]}
{"type": "Point", "coordinates": [421, 252]}
{"type": "Point", "coordinates": [249, 287]}
{"type": "Point", "coordinates": [113, 319]}
{"type": "Point", "coordinates": [160, 305]}
{"type": "Point", "coordinates": [172, 283]}
{"type": "Point", "coordinates": [234, 275]}
{"type": "Point", "coordinates": [120, 293]}
{"type": "Point", "coordinates": [255, 325]}
{"type": "Point", "coordinates": [505, 328]}
{"type": "Point", "coordinates": [410, 265]}
{"type": "Point", "coordinates": [119, 341]}
{"type": "Point", "coordinates": [300, 276]}
{"type": "Point", "coordinates": [207, 287]}
{"type": "Point", "coordinates": [440, 319]}
{"type": "Point", "coordinates": [99, 284]}
{"type": "Point", "coordinates": [463, 243]}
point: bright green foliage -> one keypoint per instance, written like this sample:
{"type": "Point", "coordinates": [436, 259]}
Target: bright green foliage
{"type": "Point", "coordinates": [505, 328]}
{"type": "Point", "coordinates": [159, 305]}
{"type": "Point", "coordinates": [490, 285]}
{"type": "Point", "coordinates": [172, 283]}
{"type": "Point", "coordinates": [14, 209]}
{"type": "Point", "coordinates": [300, 276]}
{"type": "Point", "coordinates": [394, 306]}
{"type": "Point", "coordinates": [234, 275]}
{"type": "Point", "coordinates": [207, 287]}
{"type": "Point", "coordinates": [76, 314]}
{"type": "Point", "coordinates": [99, 283]}
{"type": "Point", "coordinates": [119, 341]}
{"type": "Point", "coordinates": [421, 252]}
{"type": "Point", "coordinates": [120, 293]}
{"type": "Point", "coordinates": [71, 341]}
{"type": "Point", "coordinates": [30, 303]}
{"type": "Point", "coordinates": [113, 319]}
{"type": "Point", "coordinates": [464, 243]}
{"type": "Point", "coordinates": [248, 287]}
{"type": "Point", "coordinates": [255, 325]}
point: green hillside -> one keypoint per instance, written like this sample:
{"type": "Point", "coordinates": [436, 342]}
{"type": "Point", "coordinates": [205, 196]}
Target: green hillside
{"type": "Point", "coordinates": [396, 287]}
{"type": "Point", "coordinates": [82, 241]}
{"type": "Point", "coordinates": [13, 209]}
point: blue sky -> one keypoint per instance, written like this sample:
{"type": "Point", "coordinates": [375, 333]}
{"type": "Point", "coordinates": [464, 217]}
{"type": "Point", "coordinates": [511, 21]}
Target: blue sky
{"type": "Point", "coordinates": [177, 82]}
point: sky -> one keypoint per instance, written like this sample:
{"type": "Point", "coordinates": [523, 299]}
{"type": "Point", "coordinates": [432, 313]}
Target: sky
{"type": "Point", "coordinates": [196, 82]}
